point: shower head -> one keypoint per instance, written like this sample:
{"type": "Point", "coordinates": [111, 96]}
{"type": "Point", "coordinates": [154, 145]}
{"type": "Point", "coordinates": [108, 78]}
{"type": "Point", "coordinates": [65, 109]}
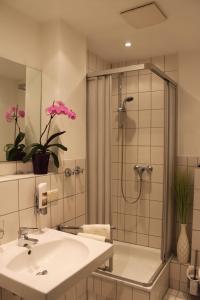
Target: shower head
{"type": "Point", "coordinates": [122, 108]}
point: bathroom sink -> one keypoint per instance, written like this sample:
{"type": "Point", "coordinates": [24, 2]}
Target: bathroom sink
{"type": "Point", "coordinates": [55, 263]}
{"type": "Point", "coordinates": [42, 256]}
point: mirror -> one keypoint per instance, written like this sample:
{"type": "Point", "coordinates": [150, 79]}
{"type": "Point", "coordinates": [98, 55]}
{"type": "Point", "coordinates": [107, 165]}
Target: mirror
{"type": "Point", "coordinates": [20, 108]}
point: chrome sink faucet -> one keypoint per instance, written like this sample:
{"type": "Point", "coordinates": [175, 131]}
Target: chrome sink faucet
{"type": "Point", "coordinates": [23, 239]}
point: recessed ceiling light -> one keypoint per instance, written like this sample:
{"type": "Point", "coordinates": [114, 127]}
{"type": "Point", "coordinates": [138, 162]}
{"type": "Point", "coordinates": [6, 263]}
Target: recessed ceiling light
{"type": "Point", "coordinates": [128, 44]}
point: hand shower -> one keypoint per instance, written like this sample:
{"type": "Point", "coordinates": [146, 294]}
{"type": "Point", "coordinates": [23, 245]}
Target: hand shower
{"type": "Point", "coordinates": [122, 108]}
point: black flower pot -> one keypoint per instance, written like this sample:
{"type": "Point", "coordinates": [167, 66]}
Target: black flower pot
{"type": "Point", "coordinates": [15, 155]}
{"type": "Point", "coordinates": [40, 162]}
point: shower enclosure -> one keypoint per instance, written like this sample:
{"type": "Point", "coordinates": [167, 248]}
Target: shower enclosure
{"type": "Point", "coordinates": [131, 130]}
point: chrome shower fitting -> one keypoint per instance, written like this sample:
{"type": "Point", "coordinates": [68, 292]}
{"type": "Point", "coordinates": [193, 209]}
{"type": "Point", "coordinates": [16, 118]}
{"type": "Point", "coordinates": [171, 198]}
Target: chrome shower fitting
{"type": "Point", "coordinates": [141, 168]}
{"type": "Point", "coordinates": [122, 108]}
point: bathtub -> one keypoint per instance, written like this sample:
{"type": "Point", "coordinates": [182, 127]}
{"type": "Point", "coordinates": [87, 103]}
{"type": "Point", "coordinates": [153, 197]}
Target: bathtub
{"type": "Point", "coordinates": [134, 263]}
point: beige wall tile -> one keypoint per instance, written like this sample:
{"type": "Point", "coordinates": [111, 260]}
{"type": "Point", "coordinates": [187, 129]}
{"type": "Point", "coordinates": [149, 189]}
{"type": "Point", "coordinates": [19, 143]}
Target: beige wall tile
{"type": "Point", "coordinates": [156, 209]}
{"type": "Point", "coordinates": [155, 227]}
{"type": "Point", "coordinates": [145, 83]}
{"type": "Point", "coordinates": [157, 155]}
{"type": "Point", "coordinates": [131, 119]}
{"type": "Point", "coordinates": [157, 136]}
{"type": "Point", "coordinates": [157, 83]}
{"type": "Point", "coordinates": [144, 153]}
{"type": "Point", "coordinates": [80, 183]}
{"type": "Point", "coordinates": [144, 100]}
{"type": "Point", "coordinates": [142, 239]}
{"type": "Point", "coordinates": [130, 223]}
{"type": "Point", "coordinates": [131, 137]}
{"type": "Point", "coordinates": [130, 237]}
{"type": "Point", "coordinates": [132, 84]}
{"type": "Point", "coordinates": [155, 242]}
{"type": "Point", "coordinates": [142, 225]}
{"type": "Point", "coordinates": [131, 154]}
{"type": "Point", "coordinates": [157, 118]}
{"type": "Point", "coordinates": [144, 137]}
{"type": "Point", "coordinates": [108, 289]}
{"type": "Point", "coordinates": [124, 292]}
{"type": "Point", "coordinates": [196, 219]}
{"type": "Point", "coordinates": [144, 118]}
{"type": "Point", "coordinates": [158, 100]}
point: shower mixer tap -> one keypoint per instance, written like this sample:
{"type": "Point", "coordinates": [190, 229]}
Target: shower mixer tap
{"type": "Point", "coordinates": [140, 169]}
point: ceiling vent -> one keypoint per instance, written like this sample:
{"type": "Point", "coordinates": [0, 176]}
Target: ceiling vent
{"type": "Point", "coordinates": [143, 16]}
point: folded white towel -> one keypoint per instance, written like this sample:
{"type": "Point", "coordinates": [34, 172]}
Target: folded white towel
{"type": "Point", "coordinates": [99, 229]}
{"type": "Point", "coordinates": [92, 236]}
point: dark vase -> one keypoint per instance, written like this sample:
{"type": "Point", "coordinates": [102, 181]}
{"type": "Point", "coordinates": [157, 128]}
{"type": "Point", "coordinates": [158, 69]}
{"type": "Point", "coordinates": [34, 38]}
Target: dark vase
{"type": "Point", "coordinates": [40, 163]}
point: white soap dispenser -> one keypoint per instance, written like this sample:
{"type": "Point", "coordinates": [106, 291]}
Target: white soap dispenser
{"type": "Point", "coordinates": [41, 198]}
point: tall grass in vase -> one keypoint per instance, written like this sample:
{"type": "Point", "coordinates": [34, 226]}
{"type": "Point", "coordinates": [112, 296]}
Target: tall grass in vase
{"type": "Point", "coordinates": [182, 200]}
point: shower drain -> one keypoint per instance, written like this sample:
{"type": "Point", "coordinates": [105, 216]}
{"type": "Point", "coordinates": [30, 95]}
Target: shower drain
{"type": "Point", "coordinates": [44, 272]}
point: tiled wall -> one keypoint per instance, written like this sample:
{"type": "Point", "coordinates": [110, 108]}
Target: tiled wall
{"type": "Point", "coordinates": [196, 217]}
{"type": "Point", "coordinates": [178, 278]}
{"type": "Point", "coordinates": [17, 200]}
{"type": "Point", "coordinates": [140, 223]}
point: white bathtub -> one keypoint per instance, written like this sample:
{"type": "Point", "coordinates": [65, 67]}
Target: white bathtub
{"type": "Point", "coordinates": [135, 263]}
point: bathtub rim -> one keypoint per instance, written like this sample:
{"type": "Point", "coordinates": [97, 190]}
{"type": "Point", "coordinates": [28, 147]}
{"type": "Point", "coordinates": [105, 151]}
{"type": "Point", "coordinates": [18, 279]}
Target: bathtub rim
{"type": "Point", "coordinates": [133, 283]}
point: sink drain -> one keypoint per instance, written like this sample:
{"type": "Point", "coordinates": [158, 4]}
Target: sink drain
{"type": "Point", "coordinates": [44, 272]}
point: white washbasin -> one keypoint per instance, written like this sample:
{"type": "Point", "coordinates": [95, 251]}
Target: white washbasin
{"type": "Point", "coordinates": [56, 262]}
{"type": "Point", "coordinates": [43, 256]}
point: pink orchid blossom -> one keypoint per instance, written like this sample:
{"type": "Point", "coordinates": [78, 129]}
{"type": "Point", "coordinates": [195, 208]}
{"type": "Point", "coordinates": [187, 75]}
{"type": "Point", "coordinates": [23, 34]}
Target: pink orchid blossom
{"type": "Point", "coordinates": [14, 112]}
{"type": "Point", "coordinates": [59, 108]}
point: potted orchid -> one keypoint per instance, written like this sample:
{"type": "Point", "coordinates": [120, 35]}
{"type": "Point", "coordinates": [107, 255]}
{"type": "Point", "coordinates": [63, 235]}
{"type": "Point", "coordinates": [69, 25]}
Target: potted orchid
{"type": "Point", "coordinates": [15, 151]}
{"type": "Point", "coordinates": [40, 152]}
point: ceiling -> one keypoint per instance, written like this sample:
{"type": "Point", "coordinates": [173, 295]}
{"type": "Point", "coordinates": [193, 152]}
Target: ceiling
{"type": "Point", "coordinates": [106, 30]}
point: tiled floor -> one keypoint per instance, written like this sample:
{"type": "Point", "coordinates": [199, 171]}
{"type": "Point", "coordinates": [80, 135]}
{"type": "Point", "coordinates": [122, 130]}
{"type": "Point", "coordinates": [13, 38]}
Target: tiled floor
{"type": "Point", "coordinates": [176, 295]}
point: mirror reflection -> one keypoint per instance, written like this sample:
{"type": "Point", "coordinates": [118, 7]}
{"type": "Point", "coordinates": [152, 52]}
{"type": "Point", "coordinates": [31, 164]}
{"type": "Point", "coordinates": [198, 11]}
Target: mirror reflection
{"type": "Point", "coordinates": [20, 102]}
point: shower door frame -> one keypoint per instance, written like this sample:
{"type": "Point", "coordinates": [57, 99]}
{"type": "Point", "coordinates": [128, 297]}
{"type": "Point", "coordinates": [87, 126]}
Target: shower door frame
{"type": "Point", "coordinates": [165, 255]}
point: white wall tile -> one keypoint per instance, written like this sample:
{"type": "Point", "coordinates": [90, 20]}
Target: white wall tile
{"type": "Point", "coordinates": [57, 215]}
{"type": "Point", "coordinates": [11, 226]}
{"type": "Point", "coordinates": [69, 208]}
{"type": "Point", "coordinates": [27, 193]}
{"type": "Point", "coordinates": [80, 204]}
{"type": "Point", "coordinates": [9, 197]}
{"type": "Point", "coordinates": [27, 218]}
{"type": "Point", "coordinates": [80, 183]}
{"type": "Point", "coordinates": [57, 183]}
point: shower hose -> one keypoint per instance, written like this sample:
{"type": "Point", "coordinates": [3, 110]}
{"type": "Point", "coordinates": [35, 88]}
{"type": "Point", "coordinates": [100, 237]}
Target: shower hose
{"type": "Point", "coordinates": [122, 175]}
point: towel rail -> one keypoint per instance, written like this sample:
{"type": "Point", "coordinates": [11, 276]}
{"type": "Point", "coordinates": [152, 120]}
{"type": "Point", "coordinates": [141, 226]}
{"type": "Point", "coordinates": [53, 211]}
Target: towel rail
{"type": "Point", "coordinates": [108, 268]}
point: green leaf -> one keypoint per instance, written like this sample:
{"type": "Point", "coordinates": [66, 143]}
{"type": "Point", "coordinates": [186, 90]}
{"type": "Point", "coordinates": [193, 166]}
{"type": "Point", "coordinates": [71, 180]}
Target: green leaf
{"type": "Point", "coordinates": [55, 159]}
{"type": "Point", "coordinates": [19, 138]}
{"type": "Point", "coordinates": [32, 152]}
{"type": "Point", "coordinates": [53, 136]}
{"type": "Point", "coordinates": [8, 147]}
{"type": "Point", "coordinates": [58, 145]}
